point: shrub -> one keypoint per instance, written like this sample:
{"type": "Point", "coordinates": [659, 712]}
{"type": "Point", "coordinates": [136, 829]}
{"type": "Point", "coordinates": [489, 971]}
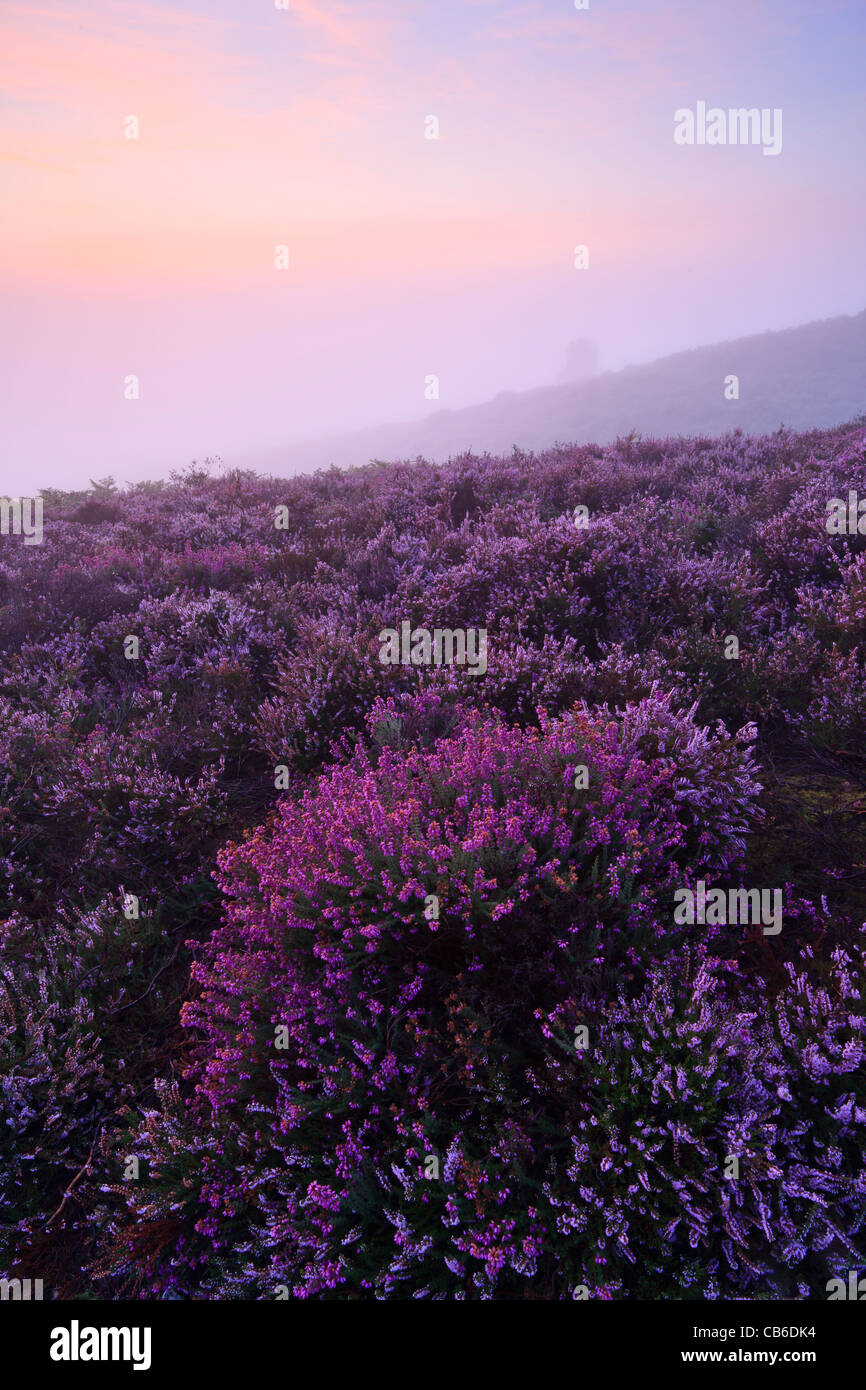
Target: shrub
{"type": "Point", "coordinates": [402, 930]}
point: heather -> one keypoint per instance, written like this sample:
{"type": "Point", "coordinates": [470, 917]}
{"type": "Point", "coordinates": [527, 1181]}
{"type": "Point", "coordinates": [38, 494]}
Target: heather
{"type": "Point", "coordinates": [337, 1031]}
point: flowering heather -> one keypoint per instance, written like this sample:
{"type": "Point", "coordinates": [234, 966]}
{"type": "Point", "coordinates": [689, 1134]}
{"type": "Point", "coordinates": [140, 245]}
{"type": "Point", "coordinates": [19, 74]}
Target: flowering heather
{"type": "Point", "coordinates": [324, 978]}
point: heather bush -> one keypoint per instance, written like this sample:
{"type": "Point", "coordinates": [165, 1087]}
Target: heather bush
{"type": "Point", "coordinates": [51, 1074]}
{"type": "Point", "coordinates": [322, 688]}
{"type": "Point", "coordinates": [68, 1047]}
{"type": "Point", "coordinates": [514, 1164]}
{"type": "Point", "coordinates": [404, 928]}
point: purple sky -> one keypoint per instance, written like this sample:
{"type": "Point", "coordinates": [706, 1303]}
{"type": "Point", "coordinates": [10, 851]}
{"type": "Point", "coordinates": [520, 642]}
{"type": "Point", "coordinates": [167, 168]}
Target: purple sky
{"type": "Point", "coordinates": [408, 257]}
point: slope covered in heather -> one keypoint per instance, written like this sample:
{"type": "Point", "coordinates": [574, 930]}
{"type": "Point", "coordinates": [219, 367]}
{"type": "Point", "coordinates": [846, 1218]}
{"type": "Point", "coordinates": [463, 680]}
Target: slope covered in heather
{"type": "Point", "coordinates": [809, 377]}
{"type": "Point", "coordinates": [367, 980]}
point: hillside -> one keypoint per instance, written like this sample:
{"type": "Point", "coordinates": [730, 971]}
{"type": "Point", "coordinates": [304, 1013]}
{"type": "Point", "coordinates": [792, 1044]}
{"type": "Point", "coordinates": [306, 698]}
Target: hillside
{"type": "Point", "coordinates": [320, 971]}
{"type": "Point", "coordinates": [809, 377]}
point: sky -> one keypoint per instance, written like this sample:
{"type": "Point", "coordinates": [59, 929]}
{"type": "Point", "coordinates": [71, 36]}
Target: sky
{"type": "Point", "coordinates": [146, 321]}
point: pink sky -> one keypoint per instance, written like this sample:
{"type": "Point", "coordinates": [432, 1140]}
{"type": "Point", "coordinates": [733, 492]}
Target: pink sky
{"type": "Point", "coordinates": [261, 127]}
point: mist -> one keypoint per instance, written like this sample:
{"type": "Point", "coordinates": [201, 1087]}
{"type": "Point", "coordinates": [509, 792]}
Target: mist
{"type": "Point", "coordinates": [234, 373]}
{"type": "Point", "coordinates": [408, 257]}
